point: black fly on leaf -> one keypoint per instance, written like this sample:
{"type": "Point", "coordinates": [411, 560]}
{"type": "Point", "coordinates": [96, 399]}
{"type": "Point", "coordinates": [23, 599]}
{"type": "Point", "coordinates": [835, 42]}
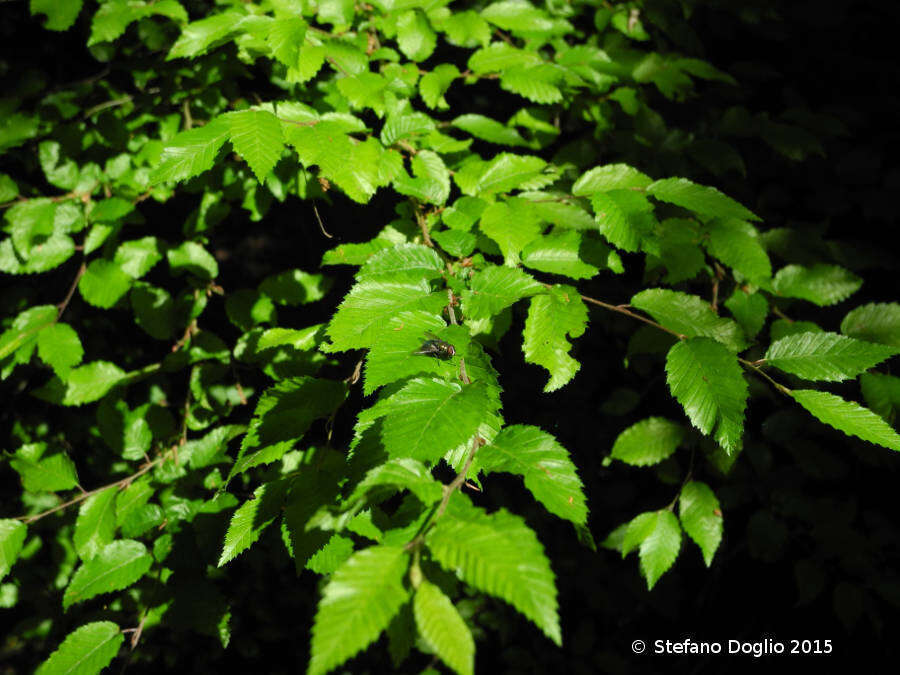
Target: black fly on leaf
{"type": "Point", "coordinates": [436, 347]}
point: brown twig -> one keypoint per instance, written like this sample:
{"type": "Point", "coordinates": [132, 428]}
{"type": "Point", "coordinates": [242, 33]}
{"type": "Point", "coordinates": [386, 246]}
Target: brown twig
{"type": "Point", "coordinates": [423, 225]}
{"type": "Point", "coordinates": [460, 478]}
{"type": "Point", "coordinates": [65, 303]}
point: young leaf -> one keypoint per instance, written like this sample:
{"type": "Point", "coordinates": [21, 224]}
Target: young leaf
{"type": "Point", "coordinates": [701, 517]}
{"type": "Point", "coordinates": [494, 289]}
{"type": "Point", "coordinates": [117, 566]}
{"type": "Point", "coordinates": [826, 356]}
{"type": "Point", "coordinates": [191, 152]}
{"type": "Point", "coordinates": [849, 417]}
{"type": "Point", "coordinates": [85, 651]}
{"type": "Point", "coordinates": [821, 285]}
{"type": "Point", "coordinates": [700, 199]}
{"type": "Point", "coordinates": [358, 603]}
{"type": "Point", "coordinates": [12, 536]}
{"type": "Point", "coordinates": [369, 306]}
{"type": "Point", "coordinates": [443, 629]}
{"type": "Point", "coordinates": [545, 465]}
{"type": "Point", "coordinates": [96, 523]}
{"type": "Point", "coordinates": [689, 315]}
{"type": "Point", "coordinates": [435, 84]}
{"type": "Point", "coordinates": [103, 283]}
{"type": "Point", "coordinates": [256, 136]}
{"type": "Point", "coordinates": [875, 322]}
{"type": "Point", "coordinates": [551, 318]}
{"type": "Point", "coordinates": [252, 517]}
{"type": "Point", "coordinates": [198, 36]}
{"type": "Point", "coordinates": [429, 417]}
{"type": "Point", "coordinates": [60, 348]}
{"type": "Point", "coordinates": [648, 442]}
{"type": "Point", "coordinates": [415, 37]}
{"type": "Point", "coordinates": [403, 473]}
{"type": "Point", "coordinates": [610, 177]}
{"type": "Point", "coordinates": [658, 535]}
{"type": "Point", "coordinates": [512, 224]}
{"type": "Point", "coordinates": [707, 380]}
{"type": "Point", "coordinates": [500, 555]}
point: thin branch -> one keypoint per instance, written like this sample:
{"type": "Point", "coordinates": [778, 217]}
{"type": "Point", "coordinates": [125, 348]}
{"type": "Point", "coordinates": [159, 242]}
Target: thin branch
{"type": "Point", "coordinates": [759, 371]}
{"type": "Point", "coordinates": [423, 225]}
{"type": "Point", "coordinates": [457, 482]}
{"type": "Point", "coordinates": [65, 303]}
{"type": "Point", "coordinates": [108, 104]}
{"type": "Point", "coordinates": [623, 309]}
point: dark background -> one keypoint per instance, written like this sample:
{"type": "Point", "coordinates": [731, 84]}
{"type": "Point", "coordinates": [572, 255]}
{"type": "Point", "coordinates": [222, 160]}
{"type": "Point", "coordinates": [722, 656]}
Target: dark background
{"type": "Point", "coordinates": [811, 547]}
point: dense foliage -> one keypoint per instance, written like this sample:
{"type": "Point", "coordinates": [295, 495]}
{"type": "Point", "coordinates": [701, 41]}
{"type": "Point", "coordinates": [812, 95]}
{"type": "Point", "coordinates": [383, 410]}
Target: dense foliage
{"type": "Point", "coordinates": [275, 270]}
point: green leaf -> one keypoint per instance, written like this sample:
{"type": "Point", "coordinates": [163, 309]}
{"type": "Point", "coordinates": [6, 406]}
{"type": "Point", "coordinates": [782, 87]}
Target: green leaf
{"type": "Point", "coordinates": [558, 253]}
{"type": "Point", "coordinates": [703, 200]}
{"type": "Point", "coordinates": [103, 283]}
{"type": "Point", "coordinates": [821, 285]}
{"type": "Point", "coordinates": [358, 603]}
{"type": "Point", "coordinates": [24, 331]}
{"type": "Point", "coordinates": [545, 465]}
{"type": "Point", "coordinates": [12, 536]}
{"type": "Point", "coordinates": [432, 179]}
{"type": "Point", "coordinates": [648, 442]}
{"type": "Point", "coordinates": [96, 523]}
{"type": "Point", "coordinates": [85, 651]}
{"type": "Point", "coordinates": [331, 556]}
{"type": "Point", "coordinates": [198, 36]}
{"type": "Point", "coordinates": [456, 242]}
{"type": "Point", "coordinates": [404, 474]}
{"type": "Point", "coordinates": [117, 566]}
{"type": "Point", "coordinates": [536, 83]}
{"type": "Point", "coordinates": [85, 384]}
{"type": "Point", "coordinates": [429, 417]}
{"type": "Point", "coordinates": [875, 322]}
{"type": "Point", "coordinates": [283, 415]}
{"type": "Point", "coordinates": [193, 259]}
{"type": "Point", "coordinates": [506, 172]}
{"type": "Point", "coordinates": [707, 380]}
{"type": "Point", "coordinates": [826, 356]}
{"type": "Point", "coordinates": [60, 15]}
{"type": "Point", "coordinates": [435, 84]}
{"type": "Point", "coordinates": [154, 310]}
{"type": "Point", "coordinates": [295, 287]}
{"type": "Point", "coordinates": [369, 306]}
{"type": "Point", "coordinates": [690, 316]}
{"type": "Point", "coordinates": [749, 309]}
{"type": "Point", "coordinates": [624, 217]}
{"type": "Point", "coordinates": [466, 29]}
{"type": "Point", "coordinates": [443, 629]}
{"type": "Point", "coordinates": [881, 392]}
{"type": "Point", "coordinates": [137, 257]}
{"type": "Point", "coordinates": [256, 136]}
{"type": "Point", "coordinates": [415, 36]}
{"type": "Point", "coordinates": [512, 224]}
{"type": "Point", "coordinates": [404, 262]}
{"type": "Point", "coordinates": [610, 177]}
{"type": "Point", "coordinates": [488, 129]}
{"type": "Point", "coordinates": [59, 347]}
{"type": "Point", "coordinates": [849, 417]}
{"type": "Point", "coordinates": [658, 535]}
{"type": "Point", "coordinates": [736, 244]}
{"type": "Point", "coordinates": [701, 517]}
{"type": "Point", "coordinates": [500, 555]}
{"type": "Point", "coordinates": [44, 474]}
{"type": "Point", "coordinates": [551, 318]}
{"type": "Point", "coordinates": [286, 38]}
{"type": "Point", "coordinates": [406, 126]}
{"type": "Point", "coordinates": [494, 289]}
{"type": "Point", "coordinates": [252, 517]}
{"type": "Point", "coordinates": [191, 152]}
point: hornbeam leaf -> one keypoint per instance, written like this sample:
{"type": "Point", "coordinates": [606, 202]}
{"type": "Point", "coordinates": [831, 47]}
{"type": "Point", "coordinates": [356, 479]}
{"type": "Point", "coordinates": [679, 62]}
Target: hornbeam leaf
{"type": "Point", "coordinates": [826, 356]}
{"type": "Point", "coordinates": [117, 566]}
{"type": "Point", "coordinates": [551, 318]}
{"type": "Point", "coordinates": [252, 517]}
{"type": "Point", "coordinates": [707, 380]}
{"type": "Point", "coordinates": [494, 289]}
{"type": "Point", "coordinates": [369, 306]}
{"type": "Point", "coordinates": [405, 262]}
{"type": "Point", "coordinates": [689, 315]}
{"type": "Point", "coordinates": [191, 152]}
{"type": "Point", "coordinates": [658, 536]}
{"type": "Point", "coordinates": [558, 253]}
{"type": "Point", "coordinates": [545, 465]}
{"type": "Point", "coordinates": [875, 322]}
{"type": "Point", "coordinates": [736, 243]}
{"type": "Point", "coordinates": [429, 417]}
{"type": "Point", "coordinates": [706, 201]}
{"type": "Point", "coordinates": [500, 555]}
{"type": "Point", "coordinates": [441, 626]}
{"type": "Point", "coordinates": [821, 285]}
{"type": "Point", "coordinates": [610, 177]}
{"type": "Point", "coordinates": [96, 523]}
{"type": "Point", "coordinates": [701, 517]}
{"type": "Point", "coordinates": [403, 473]}
{"type": "Point", "coordinates": [849, 417]}
{"type": "Point", "coordinates": [358, 603]}
{"type": "Point", "coordinates": [12, 536]}
{"type": "Point", "coordinates": [85, 651]}
{"type": "Point", "coordinates": [256, 136]}
{"type": "Point", "coordinates": [648, 442]}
